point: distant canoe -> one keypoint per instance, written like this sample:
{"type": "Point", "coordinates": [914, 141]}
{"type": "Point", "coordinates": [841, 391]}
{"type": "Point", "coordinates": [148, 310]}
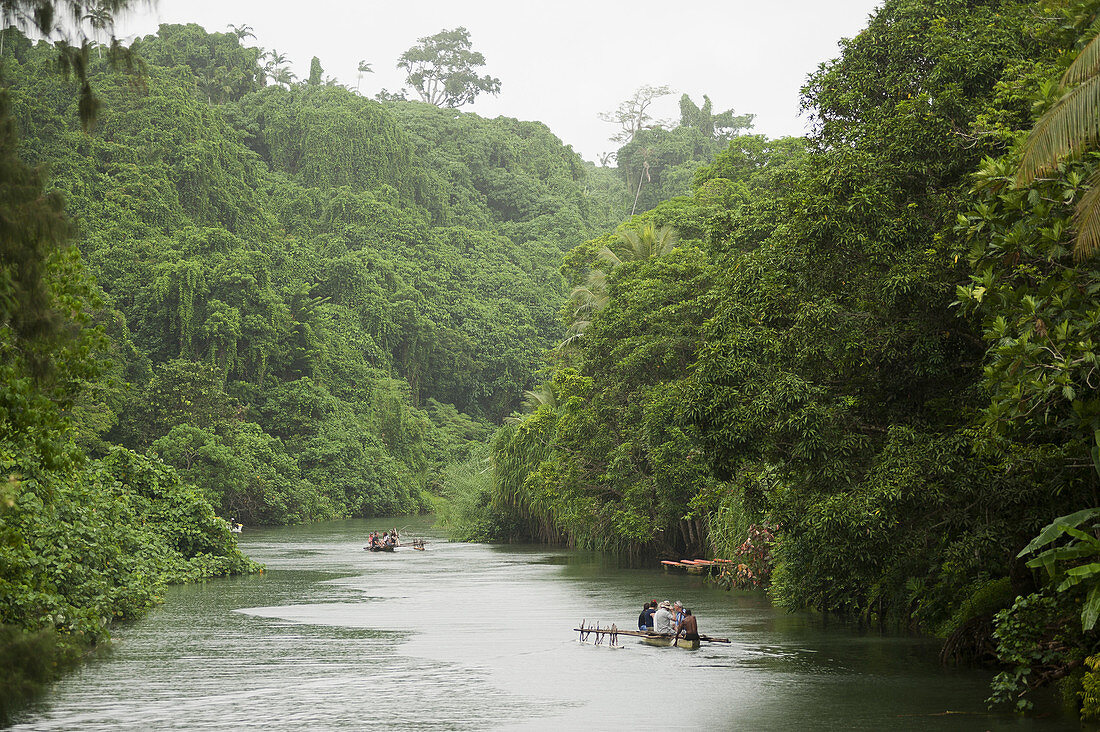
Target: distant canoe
{"type": "Point", "coordinates": [380, 548]}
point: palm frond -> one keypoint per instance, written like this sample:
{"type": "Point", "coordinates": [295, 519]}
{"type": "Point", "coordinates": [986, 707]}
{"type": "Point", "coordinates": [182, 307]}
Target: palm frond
{"type": "Point", "coordinates": [610, 257]}
{"type": "Point", "coordinates": [541, 397]}
{"type": "Point", "coordinates": [635, 244]}
{"type": "Point", "coordinates": [574, 334]}
{"type": "Point", "coordinates": [597, 281]}
{"type": "Point", "coordinates": [1067, 127]}
{"type": "Point", "coordinates": [1087, 220]}
{"type": "Point", "coordinates": [667, 238]}
{"type": "Point", "coordinates": [1086, 65]}
{"type": "Point", "coordinates": [587, 301]}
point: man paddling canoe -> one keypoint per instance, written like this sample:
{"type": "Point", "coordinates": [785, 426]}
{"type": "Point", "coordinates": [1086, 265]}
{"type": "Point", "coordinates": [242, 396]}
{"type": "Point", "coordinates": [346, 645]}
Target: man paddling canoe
{"type": "Point", "coordinates": [688, 627]}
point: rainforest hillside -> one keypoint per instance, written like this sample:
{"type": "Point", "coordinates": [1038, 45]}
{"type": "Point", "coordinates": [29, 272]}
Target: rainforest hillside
{"type": "Point", "coordinates": [313, 299]}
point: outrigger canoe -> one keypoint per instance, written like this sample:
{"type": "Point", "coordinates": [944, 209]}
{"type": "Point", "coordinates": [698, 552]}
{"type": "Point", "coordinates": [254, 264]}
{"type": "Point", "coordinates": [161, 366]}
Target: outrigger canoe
{"type": "Point", "coordinates": [417, 544]}
{"type": "Point", "coordinates": [649, 638]}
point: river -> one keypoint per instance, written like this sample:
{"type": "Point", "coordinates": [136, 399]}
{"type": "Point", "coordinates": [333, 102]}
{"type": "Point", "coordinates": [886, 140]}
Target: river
{"type": "Point", "coordinates": [471, 637]}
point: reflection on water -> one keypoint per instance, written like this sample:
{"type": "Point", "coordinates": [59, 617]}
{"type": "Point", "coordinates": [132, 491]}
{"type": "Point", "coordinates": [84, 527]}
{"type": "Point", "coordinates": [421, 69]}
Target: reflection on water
{"type": "Point", "coordinates": [467, 636]}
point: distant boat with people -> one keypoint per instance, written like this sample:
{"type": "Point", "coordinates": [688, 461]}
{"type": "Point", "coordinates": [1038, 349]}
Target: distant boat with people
{"type": "Point", "coordinates": [389, 541]}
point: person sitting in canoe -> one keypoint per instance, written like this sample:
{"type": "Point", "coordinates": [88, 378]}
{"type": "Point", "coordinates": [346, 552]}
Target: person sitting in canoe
{"type": "Point", "coordinates": [645, 620]}
{"type": "Point", "coordinates": [373, 540]}
{"type": "Point", "coordinates": [662, 619]}
{"type": "Point", "coordinates": [688, 627]}
{"type": "Point", "coordinates": [677, 613]}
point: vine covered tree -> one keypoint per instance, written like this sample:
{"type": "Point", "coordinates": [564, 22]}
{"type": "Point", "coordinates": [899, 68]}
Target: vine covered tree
{"type": "Point", "coordinates": [443, 69]}
{"type": "Point", "coordinates": [315, 71]}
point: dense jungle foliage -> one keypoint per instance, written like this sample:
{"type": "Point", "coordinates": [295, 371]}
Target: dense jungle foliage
{"type": "Point", "coordinates": [862, 364]}
{"type": "Point", "coordinates": [313, 300]}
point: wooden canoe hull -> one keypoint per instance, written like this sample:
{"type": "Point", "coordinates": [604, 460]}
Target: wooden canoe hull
{"type": "Point", "coordinates": [665, 641]}
{"type": "Point", "coordinates": [657, 640]}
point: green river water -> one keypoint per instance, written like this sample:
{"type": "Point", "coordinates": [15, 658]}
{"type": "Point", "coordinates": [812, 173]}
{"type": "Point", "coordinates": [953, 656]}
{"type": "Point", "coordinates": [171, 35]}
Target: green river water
{"type": "Point", "coordinates": [471, 637]}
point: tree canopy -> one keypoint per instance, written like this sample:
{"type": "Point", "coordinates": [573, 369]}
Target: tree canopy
{"type": "Point", "coordinates": [442, 69]}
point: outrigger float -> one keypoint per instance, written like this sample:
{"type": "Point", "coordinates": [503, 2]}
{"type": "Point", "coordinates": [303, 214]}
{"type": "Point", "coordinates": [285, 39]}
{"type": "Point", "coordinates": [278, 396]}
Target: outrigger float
{"type": "Point", "coordinates": [611, 637]}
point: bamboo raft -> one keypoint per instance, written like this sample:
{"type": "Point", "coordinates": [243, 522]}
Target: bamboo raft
{"type": "Point", "coordinates": [611, 636]}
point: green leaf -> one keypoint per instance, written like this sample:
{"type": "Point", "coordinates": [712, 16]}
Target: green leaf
{"type": "Point", "coordinates": [1077, 575]}
{"type": "Point", "coordinates": [1057, 528]}
{"type": "Point", "coordinates": [1091, 610]}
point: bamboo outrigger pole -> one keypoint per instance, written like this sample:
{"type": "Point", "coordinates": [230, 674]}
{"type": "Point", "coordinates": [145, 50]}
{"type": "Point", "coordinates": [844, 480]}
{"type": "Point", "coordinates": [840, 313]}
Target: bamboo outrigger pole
{"type": "Point", "coordinates": [614, 631]}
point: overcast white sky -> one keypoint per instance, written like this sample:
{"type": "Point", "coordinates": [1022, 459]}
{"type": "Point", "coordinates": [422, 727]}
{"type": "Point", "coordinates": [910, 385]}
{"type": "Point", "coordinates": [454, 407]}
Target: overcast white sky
{"type": "Point", "coordinates": [560, 62]}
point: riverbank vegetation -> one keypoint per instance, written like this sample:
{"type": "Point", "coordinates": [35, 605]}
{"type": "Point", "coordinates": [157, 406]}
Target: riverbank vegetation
{"type": "Point", "coordinates": [873, 344]}
{"type": "Point", "coordinates": [860, 363]}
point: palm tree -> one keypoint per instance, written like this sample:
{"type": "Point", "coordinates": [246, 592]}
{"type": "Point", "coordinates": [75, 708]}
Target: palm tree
{"type": "Point", "coordinates": [1070, 127]}
{"type": "Point", "coordinates": [241, 32]}
{"type": "Point", "coordinates": [587, 300]}
{"type": "Point", "coordinates": [593, 296]}
{"type": "Point", "coordinates": [637, 245]}
{"type": "Point", "coordinates": [100, 19]}
{"type": "Point", "coordinates": [364, 68]}
{"type": "Point", "coordinates": [276, 68]}
{"type": "Point", "coordinates": [532, 402]}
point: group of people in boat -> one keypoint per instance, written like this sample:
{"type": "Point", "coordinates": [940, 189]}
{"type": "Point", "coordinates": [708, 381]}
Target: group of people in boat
{"type": "Point", "coordinates": [668, 618]}
{"type": "Point", "coordinates": [386, 539]}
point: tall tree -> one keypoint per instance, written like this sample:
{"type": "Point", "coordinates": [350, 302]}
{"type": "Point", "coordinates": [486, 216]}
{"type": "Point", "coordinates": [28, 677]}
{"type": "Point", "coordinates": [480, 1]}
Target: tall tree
{"type": "Point", "coordinates": [277, 68]}
{"type": "Point", "coordinates": [442, 69]}
{"type": "Point", "coordinates": [315, 71]}
{"type": "Point", "coordinates": [364, 68]}
{"type": "Point", "coordinates": [632, 115]}
{"type": "Point", "coordinates": [99, 18]}
{"type": "Point", "coordinates": [241, 31]}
